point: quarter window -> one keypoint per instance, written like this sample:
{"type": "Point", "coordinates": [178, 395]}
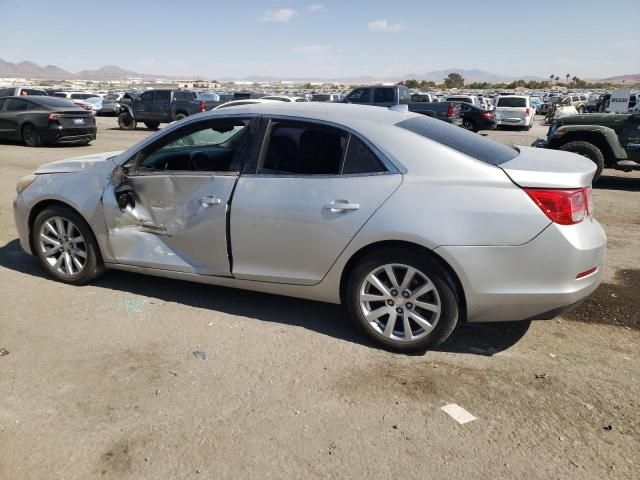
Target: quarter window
{"type": "Point", "coordinates": [304, 149]}
{"type": "Point", "coordinates": [360, 158]}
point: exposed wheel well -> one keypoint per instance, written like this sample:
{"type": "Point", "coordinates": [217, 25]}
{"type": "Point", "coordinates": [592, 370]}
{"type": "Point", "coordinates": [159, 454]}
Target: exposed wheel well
{"type": "Point", "coordinates": [44, 204]}
{"type": "Point", "coordinates": [419, 249]}
{"type": "Point", "coordinates": [596, 139]}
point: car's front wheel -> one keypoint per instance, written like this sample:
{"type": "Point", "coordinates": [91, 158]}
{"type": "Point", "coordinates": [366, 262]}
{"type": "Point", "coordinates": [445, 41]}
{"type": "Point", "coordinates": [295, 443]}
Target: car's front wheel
{"type": "Point", "coordinates": [65, 245]}
{"type": "Point", "coordinates": [126, 121]}
{"type": "Point", "coordinates": [402, 299]}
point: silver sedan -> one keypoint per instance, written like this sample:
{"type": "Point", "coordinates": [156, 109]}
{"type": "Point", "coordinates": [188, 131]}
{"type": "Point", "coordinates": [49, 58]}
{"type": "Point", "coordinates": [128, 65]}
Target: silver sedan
{"type": "Point", "coordinates": [414, 225]}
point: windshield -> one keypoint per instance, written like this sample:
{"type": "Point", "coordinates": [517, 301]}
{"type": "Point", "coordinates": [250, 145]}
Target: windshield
{"type": "Point", "coordinates": [512, 102]}
{"type": "Point", "coordinates": [213, 97]}
{"type": "Point", "coordinates": [459, 139]}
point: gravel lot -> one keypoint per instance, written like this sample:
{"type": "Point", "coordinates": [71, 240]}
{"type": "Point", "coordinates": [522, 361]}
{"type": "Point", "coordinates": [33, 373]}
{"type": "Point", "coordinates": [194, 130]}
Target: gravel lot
{"type": "Point", "coordinates": [101, 381]}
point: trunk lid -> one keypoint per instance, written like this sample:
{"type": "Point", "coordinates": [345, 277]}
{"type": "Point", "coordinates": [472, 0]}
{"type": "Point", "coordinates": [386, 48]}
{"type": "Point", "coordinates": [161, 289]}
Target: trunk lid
{"type": "Point", "coordinates": [544, 168]}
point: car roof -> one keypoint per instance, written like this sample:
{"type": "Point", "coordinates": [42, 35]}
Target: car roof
{"type": "Point", "coordinates": [349, 115]}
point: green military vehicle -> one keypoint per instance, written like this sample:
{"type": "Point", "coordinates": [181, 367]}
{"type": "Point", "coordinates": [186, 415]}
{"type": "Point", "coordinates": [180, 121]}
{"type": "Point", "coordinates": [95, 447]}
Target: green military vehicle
{"type": "Point", "coordinates": [608, 139]}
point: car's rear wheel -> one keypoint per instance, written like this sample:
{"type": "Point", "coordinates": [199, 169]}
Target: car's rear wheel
{"type": "Point", "coordinates": [31, 136]}
{"type": "Point", "coordinates": [179, 116]}
{"type": "Point", "coordinates": [403, 300]}
{"type": "Point", "coordinates": [152, 125]}
{"type": "Point", "coordinates": [588, 150]}
{"type": "Point", "coordinates": [581, 109]}
{"type": "Point", "coordinates": [126, 121]}
{"type": "Point", "coordinates": [469, 125]}
{"type": "Point", "coordinates": [65, 245]}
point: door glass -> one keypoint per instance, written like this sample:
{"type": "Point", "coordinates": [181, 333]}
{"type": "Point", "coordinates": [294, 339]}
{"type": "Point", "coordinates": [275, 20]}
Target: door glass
{"type": "Point", "coordinates": [163, 96]}
{"type": "Point", "coordinates": [16, 105]}
{"type": "Point", "coordinates": [360, 159]}
{"type": "Point", "coordinates": [360, 95]}
{"type": "Point", "coordinates": [304, 149]}
{"type": "Point", "coordinates": [383, 95]}
{"type": "Point", "coordinates": [147, 97]}
{"type": "Point", "coordinates": [215, 147]}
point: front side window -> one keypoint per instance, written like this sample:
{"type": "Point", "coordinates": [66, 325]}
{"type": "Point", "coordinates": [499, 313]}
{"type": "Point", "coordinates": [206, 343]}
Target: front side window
{"type": "Point", "coordinates": [163, 96]}
{"type": "Point", "coordinates": [360, 95]}
{"type": "Point", "coordinates": [213, 146]}
{"type": "Point", "coordinates": [383, 95]}
{"type": "Point", "coordinates": [147, 97]}
{"type": "Point", "coordinates": [304, 149]}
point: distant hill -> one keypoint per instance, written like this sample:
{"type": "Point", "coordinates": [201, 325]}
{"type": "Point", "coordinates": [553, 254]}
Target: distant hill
{"type": "Point", "coordinates": [31, 70]}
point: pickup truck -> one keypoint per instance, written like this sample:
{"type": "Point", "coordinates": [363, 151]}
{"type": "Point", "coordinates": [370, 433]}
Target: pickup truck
{"type": "Point", "coordinates": [154, 107]}
{"type": "Point", "coordinates": [390, 95]}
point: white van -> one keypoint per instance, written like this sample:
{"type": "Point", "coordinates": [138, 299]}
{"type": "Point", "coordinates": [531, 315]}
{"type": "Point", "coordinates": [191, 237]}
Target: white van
{"type": "Point", "coordinates": [515, 110]}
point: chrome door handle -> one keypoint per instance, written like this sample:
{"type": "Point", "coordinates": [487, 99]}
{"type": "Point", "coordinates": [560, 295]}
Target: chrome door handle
{"type": "Point", "coordinates": [210, 200]}
{"type": "Point", "coordinates": [341, 206]}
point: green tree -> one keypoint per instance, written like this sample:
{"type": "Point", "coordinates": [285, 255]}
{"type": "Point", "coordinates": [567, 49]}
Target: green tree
{"type": "Point", "coordinates": [454, 80]}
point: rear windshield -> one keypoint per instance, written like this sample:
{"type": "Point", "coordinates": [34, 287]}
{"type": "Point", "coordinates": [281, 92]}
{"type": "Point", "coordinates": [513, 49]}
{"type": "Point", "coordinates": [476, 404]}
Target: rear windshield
{"type": "Point", "coordinates": [459, 139]}
{"type": "Point", "coordinates": [54, 102]}
{"type": "Point", "coordinates": [512, 102]}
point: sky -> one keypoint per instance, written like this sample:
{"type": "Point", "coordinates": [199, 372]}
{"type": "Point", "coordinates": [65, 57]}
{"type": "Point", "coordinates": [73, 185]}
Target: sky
{"type": "Point", "coordinates": [326, 38]}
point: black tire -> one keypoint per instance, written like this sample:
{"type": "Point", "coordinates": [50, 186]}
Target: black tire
{"type": "Point", "coordinates": [126, 121]}
{"type": "Point", "coordinates": [469, 125]}
{"type": "Point", "coordinates": [588, 150]}
{"type": "Point", "coordinates": [93, 266]}
{"type": "Point", "coordinates": [31, 136]}
{"type": "Point", "coordinates": [581, 109]}
{"type": "Point", "coordinates": [152, 125]}
{"type": "Point", "coordinates": [446, 290]}
{"type": "Point", "coordinates": [179, 116]}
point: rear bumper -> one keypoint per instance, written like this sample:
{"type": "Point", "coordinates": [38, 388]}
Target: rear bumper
{"type": "Point", "coordinates": [534, 280]}
{"type": "Point", "coordinates": [69, 135]}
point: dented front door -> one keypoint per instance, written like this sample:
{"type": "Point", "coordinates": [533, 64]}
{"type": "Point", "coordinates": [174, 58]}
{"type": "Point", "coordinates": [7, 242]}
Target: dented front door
{"type": "Point", "coordinates": [178, 221]}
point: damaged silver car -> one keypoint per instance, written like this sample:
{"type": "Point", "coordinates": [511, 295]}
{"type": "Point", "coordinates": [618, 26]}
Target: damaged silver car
{"type": "Point", "coordinates": [414, 225]}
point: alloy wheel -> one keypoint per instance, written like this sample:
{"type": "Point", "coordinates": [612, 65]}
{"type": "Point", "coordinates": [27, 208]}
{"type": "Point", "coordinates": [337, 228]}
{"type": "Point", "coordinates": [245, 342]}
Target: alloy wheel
{"type": "Point", "coordinates": [400, 302]}
{"type": "Point", "coordinates": [62, 246]}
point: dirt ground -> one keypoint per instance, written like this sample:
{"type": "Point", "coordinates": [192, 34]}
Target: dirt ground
{"type": "Point", "coordinates": [101, 381]}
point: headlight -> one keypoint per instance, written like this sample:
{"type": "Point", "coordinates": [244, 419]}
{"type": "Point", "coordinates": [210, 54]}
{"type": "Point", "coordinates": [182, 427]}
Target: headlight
{"type": "Point", "coordinates": [24, 182]}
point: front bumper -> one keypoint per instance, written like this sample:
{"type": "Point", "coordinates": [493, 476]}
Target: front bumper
{"type": "Point", "coordinates": [534, 280]}
{"type": "Point", "coordinates": [21, 218]}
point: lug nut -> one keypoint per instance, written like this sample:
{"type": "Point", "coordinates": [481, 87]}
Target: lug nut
{"type": "Point", "coordinates": [394, 293]}
{"type": "Point", "coordinates": [390, 303]}
{"type": "Point", "coordinates": [406, 294]}
{"type": "Point", "coordinates": [399, 310]}
{"type": "Point", "coordinates": [409, 306]}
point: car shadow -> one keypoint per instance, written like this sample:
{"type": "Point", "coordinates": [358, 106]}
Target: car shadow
{"type": "Point", "coordinates": [324, 318]}
{"type": "Point", "coordinates": [610, 182]}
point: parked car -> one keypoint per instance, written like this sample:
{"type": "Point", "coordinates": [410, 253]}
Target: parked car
{"type": "Point", "coordinates": [392, 95]}
{"type": "Point", "coordinates": [578, 101]}
{"type": "Point", "coordinates": [39, 120]}
{"type": "Point", "coordinates": [609, 140]}
{"type": "Point", "coordinates": [21, 91]}
{"type": "Point", "coordinates": [470, 99]}
{"type": "Point", "coordinates": [154, 107]}
{"type": "Point", "coordinates": [325, 97]}
{"type": "Point", "coordinates": [210, 99]}
{"type": "Point", "coordinates": [423, 97]}
{"type": "Point", "coordinates": [475, 118]}
{"type": "Point", "coordinates": [103, 105]}
{"type": "Point", "coordinates": [285, 98]}
{"type": "Point", "coordinates": [76, 95]}
{"type": "Point", "coordinates": [414, 225]}
{"type": "Point", "coordinates": [514, 110]}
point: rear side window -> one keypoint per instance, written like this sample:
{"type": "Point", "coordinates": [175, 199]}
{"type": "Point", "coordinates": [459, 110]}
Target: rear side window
{"type": "Point", "coordinates": [162, 96]}
{"type": "Point", "coordinates": [513, 102]}
{"type": "Point", "coordinates": [383, 95]}
{"type": "Point", "coordinates": [6, 92]}
{"type": "Point", "coordinates": [360, 159]}
{"type": "Point", "coordinates": [304, 149]}
{"type": "Point", "coordinates": [459, 139]}
{"type": "Point", "coordinates": [17, 105]}
{"type": "Point", "coordinates": [32, 91]}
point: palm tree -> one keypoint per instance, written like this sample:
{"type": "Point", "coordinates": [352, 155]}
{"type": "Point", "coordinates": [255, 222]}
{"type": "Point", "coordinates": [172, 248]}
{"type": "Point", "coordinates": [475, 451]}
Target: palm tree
{"type": "Point", "coordinates": [575, 79]}
{"type": "Point", "coordinates": [568, 75]}
{"type": "Point", "coordinates": [557, 78]}
{"type": "Point", "coordinates": [551, 77]}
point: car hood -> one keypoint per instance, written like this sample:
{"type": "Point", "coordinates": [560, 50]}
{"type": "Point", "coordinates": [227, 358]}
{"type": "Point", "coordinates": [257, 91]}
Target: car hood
{"type": "Point", "coordinates": [79, 164]}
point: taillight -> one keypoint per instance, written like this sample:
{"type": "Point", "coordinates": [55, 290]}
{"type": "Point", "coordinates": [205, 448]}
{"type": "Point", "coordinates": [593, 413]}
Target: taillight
{"type": "Point", "coordinates": [565, 207]}
{"type": "Point", "coordinates": [54, 117]}
{"type": "Point", "coordinates": [203, 106]}
{"type": "Point", "coordinates": [527, 112]}
{"type": "Point", "coordinates": [488, 115]}
{"type": "Point", "coordinates": [450, 110]}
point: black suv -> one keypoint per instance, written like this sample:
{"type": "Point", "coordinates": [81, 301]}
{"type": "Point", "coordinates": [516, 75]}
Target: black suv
{"type": "Point", "coordinates": [154, 107]}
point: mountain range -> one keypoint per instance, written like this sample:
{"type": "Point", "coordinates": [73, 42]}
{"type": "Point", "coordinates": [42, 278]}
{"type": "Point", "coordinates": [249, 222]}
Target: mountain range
{"type": "Point", "coordinates": [31, 70]}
